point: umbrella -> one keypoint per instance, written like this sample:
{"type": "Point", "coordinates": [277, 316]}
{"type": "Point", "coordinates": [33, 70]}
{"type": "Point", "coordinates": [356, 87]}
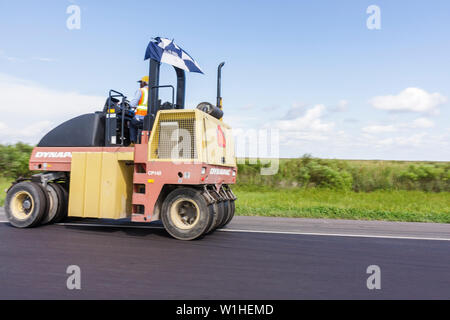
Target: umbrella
{"type": "Point", "coordinates": [165, 50]}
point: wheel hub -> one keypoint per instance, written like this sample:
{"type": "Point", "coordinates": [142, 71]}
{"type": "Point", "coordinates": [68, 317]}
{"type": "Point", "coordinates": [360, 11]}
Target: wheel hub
{"type": "Point", "coordinates": [26, 204]}
{"type": "Point", "coordinates": [184, 213]}
{"type": "Point", "coordinates": [21, 205]}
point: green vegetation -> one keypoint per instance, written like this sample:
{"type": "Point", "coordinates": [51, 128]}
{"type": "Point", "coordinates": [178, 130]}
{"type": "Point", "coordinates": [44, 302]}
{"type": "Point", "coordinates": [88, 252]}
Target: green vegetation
{"type": "Point", "coordinates": [354, 175]}
{"type": "Point", "coordinates": [14, 160]}
{"type": "Point", "coordinates": [394, 205]}
{"type": "Point", "coordinates": [347, 189]}
{"type": "Point", "coordinates": [4, 184]}
{"type": "Point", "coordinates": [13, 164]}
{"type": "Point", "coordinates": [318, 188]}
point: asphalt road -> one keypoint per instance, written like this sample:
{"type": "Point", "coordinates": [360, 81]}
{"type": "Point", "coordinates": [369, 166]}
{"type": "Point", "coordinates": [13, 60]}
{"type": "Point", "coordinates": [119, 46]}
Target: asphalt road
{"type": "Point", "coordinates": [256, 258]}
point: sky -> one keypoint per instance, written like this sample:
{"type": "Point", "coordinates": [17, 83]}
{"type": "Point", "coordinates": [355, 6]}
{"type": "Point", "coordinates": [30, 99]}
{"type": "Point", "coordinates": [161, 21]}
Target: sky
{"type": "Point", "coordinates": [313, 71]}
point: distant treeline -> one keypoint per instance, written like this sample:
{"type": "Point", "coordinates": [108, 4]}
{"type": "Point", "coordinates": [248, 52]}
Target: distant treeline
{"type": "Point", "coordinates": [14, 160]}
{"type": "Point", "coordinates": [304, 172]}
{"type": "Point", "coordinates": [356, 175]}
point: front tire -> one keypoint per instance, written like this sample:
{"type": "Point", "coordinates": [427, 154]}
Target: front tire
{"type": "Point", "coordinates": [185, 214]}
{"type": "Point", "coordinates": [25, 204]}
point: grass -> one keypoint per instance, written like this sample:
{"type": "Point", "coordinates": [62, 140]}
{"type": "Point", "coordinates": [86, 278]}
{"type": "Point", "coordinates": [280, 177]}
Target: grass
{"type": "Point", "coordinates": [4, 184]}
{"type": "Point", "coordinates": [410, 206]}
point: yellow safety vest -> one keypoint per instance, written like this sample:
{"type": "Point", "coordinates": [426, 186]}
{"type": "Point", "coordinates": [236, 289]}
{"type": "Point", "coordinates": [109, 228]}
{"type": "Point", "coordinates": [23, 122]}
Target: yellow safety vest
{"type": "Point", "coordinates": [141, 109]}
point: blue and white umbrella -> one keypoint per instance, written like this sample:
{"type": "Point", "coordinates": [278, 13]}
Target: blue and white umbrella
{"type": "Point", "coordinates": [166, 51]}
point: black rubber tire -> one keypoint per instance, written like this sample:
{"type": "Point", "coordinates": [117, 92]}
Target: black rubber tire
{"type": "Point", "coordinates": [215, 216]}
{"type": "Point", "coordinates": [226, 213]}
{"type": "Point", "coordinates": [54, 197]}
{"type": "Point", "coordinates": [231, 212]}
{"type": "Point", "coordinates": [47, 201]}
{"type": "Point", "coordinates": [204, 216]}
{"type": "Point", "coordinates": [63, 205]}
{"type": "Point", "coordinates": [220, 210]}
{"type": "Point", "coordinates": [15, 213]}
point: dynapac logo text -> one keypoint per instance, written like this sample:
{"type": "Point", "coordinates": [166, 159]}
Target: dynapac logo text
{"type": "Point", "coordinates": [53, 155]}
{"type": "Point", "coordinates": [217, 171]}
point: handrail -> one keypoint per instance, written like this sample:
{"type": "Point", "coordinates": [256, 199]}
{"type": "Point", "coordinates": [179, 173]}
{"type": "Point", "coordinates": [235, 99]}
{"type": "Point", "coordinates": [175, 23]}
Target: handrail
{"type": "Point", "coordinates": [108, 112]}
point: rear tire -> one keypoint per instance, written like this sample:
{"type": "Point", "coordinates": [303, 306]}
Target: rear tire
{"type": "Point", "coordinates": [185, 214]}
{"type": "Point", "coordinates": [226, 213]}
{"type": "Point", "coordinates": [215, 215]}
{"type": "Point", "coordinates": [220, 210]}
{"type": "Point", "coordinates": [232, 210]}
{"type": "Point", "coordinates": [25, 204]}
{"type": "Point", "coordinates": [63, 205]}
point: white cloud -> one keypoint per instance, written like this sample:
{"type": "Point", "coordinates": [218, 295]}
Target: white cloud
{"type": "Point", "coordinates": [379, 129]}
{"type": "Point", "coordinates": [36, 129]}
{"type": "Point", "coordinates": [341, 106]}
{"type": "Point", "coordinates": [422, 123]}
{"type": "Point", "coordinates": [419, 123]}
{"type": "Point", "coordinates": [3, 130]}
{"type": "Point", "coordinates": [310, 122]}
{"type": "Point", "coordinates": [43, 59]}
{"type": "Point", "coordinates": [411, 100]}
{"type": "Point", "coordinates": [4, 56]}
{"type": "Point", "coordinates": [32, 110]}
{"type": "Point", "coordinates": [248, 106]}
{"type": "Point", "coordinates": [30, 133]}
{"type": "Point", "coordinates": [308, 130]}
{"type": "Point", "coordinates": [20, 97]}
{"type": "Point", "coordinates": [415, 140]}
{"type": "Point", "coordinates": [295, 111]}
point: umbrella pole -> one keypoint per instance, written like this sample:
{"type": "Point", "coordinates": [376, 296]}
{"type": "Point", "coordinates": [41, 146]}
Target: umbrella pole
{"type": "Point", "coordinates": [152, 103]}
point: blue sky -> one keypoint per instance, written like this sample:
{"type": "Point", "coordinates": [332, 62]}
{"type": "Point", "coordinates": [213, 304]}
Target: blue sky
{"type": "Point", "coordinates": [311, 69]}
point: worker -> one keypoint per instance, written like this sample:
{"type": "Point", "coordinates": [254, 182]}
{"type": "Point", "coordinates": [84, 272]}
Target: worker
{"type": "Point", "coordinates": [140, 104]}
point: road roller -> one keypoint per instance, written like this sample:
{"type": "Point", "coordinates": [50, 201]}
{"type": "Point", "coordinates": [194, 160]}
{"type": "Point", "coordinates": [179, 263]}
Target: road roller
{"type": "Point", "coordinates": [180, 170]}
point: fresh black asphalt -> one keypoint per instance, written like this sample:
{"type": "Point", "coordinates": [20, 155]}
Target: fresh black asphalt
{"type": "Point", "coordinates": [135, 263]}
